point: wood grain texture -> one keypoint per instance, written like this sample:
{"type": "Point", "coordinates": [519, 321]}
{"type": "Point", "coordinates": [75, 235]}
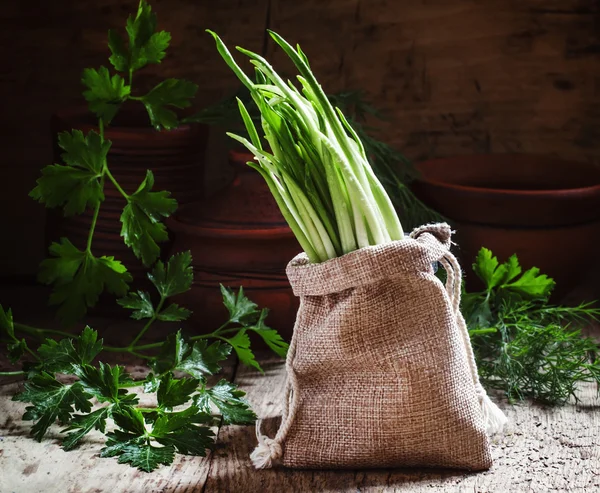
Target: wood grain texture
{"type": "Point", "coordinates": [30, 467]}
{"type": "Point", "coordinates": [454, 76]}
{"type": "Point", "coordinates": [543, 450]}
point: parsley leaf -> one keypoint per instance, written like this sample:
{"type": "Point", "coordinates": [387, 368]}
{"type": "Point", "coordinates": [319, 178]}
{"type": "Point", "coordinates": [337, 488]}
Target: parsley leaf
{"type": "Point", "coordinates": [532, 285]}
{"type": "Point", "coordinates": [175, 392]}
{"type": "Point", "coordinates": [16, 350]}
{"type": "Point", "coordinates": [51, 400]}
{"type": "Point", "coordinates": [140, 303]}
{"type": "Point", "coordinates": [105, 93]}
{"type": "Point", "coordinates": [103, 383]}
{"type": "Point", "coordinates": [203, 358]}
{"type": "Point", "coordinates": [132, 445]}
{"type": "Point", "coordinates": [82, 424]}
{"type": "Point", "coordinates": [119, 57]}
{"type": "Point", "coordinates": [129, 419]}
{"type": "Point", "coordinates": [76, 184]}
{"type": "Point", "coordinates": [174, 278]}
{"type": "Point", "coordinates": [270, 336]}
{"type": "Point", "coordinates": [179, 430]}
{"type": "Point", "coordinates": [60, 356]}
{"type": "Point", "coordinates": [241, 309]}
{"type": "Point", "coordinates": [174, 313]}
{"type": "Point", "coordinates": [80, 278]}
{"type": "Point", "coordinates": [141, 218]}
{"type": "Point", "coordinates": [17, 347]}
{"type": "Point", "coordinates": [145, 45]}
{"type": "Point", "coordinates": [171, 92]}
{"type": "Point", "coordinates": [196, 359]}
{"type": "Point", "coordinates": [144, 456]}
{"type": "Point", "coordinates": [241, 344]}
{"type": "Point", "coordinates": [118, 440]}
{"type": "Point", "coordinates": [6, 322]}
{"type": "Point", "coordinates": [228, 399]}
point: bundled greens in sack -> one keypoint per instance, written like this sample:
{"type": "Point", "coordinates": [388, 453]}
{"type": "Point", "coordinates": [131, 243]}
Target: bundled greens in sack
{"type": "Point", "coordinates": [380, 370]}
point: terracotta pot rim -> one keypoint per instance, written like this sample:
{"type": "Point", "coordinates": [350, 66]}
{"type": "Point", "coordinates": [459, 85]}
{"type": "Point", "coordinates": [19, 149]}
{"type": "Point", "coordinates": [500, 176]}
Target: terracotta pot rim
{"type": "Point", "coordinates": [81, 111]}
{"type": "Point", "coordinates": [578, 191]}
{"type": "Point", "coordinates": [178, 226]}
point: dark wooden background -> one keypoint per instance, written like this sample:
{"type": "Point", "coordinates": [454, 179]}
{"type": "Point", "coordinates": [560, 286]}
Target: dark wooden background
{"type": "Point", "coordinates": [455, 76]}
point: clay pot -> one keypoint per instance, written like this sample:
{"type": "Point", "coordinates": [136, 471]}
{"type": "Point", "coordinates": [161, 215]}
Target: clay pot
{"type": "Point", "coordinates": [238, 238]}
{"type": "Point", "coordinates": [175, 157]}
{"type": "Point", "coordinates": [545, 210]}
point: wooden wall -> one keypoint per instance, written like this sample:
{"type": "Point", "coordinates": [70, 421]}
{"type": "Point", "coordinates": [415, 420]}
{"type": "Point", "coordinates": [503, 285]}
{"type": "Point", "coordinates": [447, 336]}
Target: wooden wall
{"type": "Point", "coordinates": [455, 76]}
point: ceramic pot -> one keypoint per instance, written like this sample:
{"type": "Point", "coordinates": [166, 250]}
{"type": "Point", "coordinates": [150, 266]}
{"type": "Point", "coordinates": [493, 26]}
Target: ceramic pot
{"type": "Point", "coordinates": [175, 157]}
{"type": "Point", "coordinates": [238, 238]}
{"type": "Point", "coordinates": [545, 210]}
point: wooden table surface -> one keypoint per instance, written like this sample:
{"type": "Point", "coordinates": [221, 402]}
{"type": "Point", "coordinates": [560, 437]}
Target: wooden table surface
{"type": "Point", "coordinates": [543, 449]}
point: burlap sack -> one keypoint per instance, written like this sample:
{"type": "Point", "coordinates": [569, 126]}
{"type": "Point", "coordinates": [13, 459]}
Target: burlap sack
{"type": "Point", "coordinates": [380, 370]}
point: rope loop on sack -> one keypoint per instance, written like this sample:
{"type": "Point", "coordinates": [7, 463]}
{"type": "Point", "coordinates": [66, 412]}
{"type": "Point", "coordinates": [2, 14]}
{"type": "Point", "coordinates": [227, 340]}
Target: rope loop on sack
{"type": "Point", "coordinates": [270, 450]}
{"type": "Point", "coordinates": [493, 416]}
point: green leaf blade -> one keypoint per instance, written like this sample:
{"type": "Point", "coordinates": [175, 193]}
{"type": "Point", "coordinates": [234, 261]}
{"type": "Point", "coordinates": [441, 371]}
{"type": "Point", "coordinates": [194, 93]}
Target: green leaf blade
{"type": "Point", "coordinates": [171, 92]}
{"type": "Point", "coordinates": [175, 277]}
{"type": "Point", "coordinates": [82, 424]}
{"type": "Point", "coordinates": [104, 93]}
{"type": "Point", "coordinates": [142, 228]}
{"type": "Point", "coordinates": [230, 402]}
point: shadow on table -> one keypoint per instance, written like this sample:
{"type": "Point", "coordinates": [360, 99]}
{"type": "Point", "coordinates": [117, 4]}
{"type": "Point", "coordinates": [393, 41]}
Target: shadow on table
{"type": "Point", "coordinates": [231, 470]}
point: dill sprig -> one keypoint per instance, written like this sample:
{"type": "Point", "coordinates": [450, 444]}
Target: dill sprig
{"type": "Point", "coordinates": [524, 345]}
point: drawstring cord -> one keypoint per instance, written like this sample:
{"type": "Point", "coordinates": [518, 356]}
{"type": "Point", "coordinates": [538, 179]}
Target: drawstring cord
{"type": "Point", "coordinates": [269, 450]}
{"type": "Point", "coordinates": [493, 416]}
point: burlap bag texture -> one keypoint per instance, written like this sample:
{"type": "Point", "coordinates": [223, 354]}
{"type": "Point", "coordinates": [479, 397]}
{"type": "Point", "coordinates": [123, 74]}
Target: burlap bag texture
{"type": "Point", "coordinates": [379, 371]}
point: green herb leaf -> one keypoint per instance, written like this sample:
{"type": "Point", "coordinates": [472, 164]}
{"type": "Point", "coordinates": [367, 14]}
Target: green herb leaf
{"type": "Point", "coordinates": [175, 392]}
{"type": "Point", "coordinates": [51, 400]}
{"type": "Point", "coordinates": [174, 278]}
{"type": "Point", "coordinates": [16, 350]}
{"type": "Point", "coordinates": [241, 344]}
{"type": "Point", "coordinates": [6, 322]}
{"type": "Point", "coordinates": [118, 440]}
{"type": "Point", "coordinates": [488, 270]}
{"type": "Point", "coordinates": [197, 359]}
{"type": "Point", "coordinates": [140, 303]}
{"type": "Point", "coordinates": [174, 313]}
{"type": "Point", "coordinates": [270, 336]}
{"type": "Point", "coordinates": [179, 430]}
{"type": "Point", "coordinates": [151, 384]}
{"type": "Point", "coordinates": [171, 92]}
{"type": "Point", "coordinates": [532, 284]}
{"type": "Point", "coordinates": [17, 347]}
{"type": "Point", "coordinates": [129, 419]}
{"type": "Point", "coordinates": [105, 93]}
{"type": "Point", "coordinates": [76, 185]}
{"type": "Point", "coordinates": [80, 278]}
{"type": "Point", "coordinates": [145, 45]}
{"type": "Point", "coordinates": [144, 456]}
{"type": "Point", "coordinates": [141, 218]}
{"type": "Point", "coordinates": [104, 383]}
{"type": "Point", "coordinates": [60, 356]}
{"type": "Point", "coordinates": [228, 399]}
{"type": "Point", "coordinates": [119, 54]}
{"type": "Point", "coordinates": [241, 309]}
{"type": "Point", "coordinates": [82, 424]}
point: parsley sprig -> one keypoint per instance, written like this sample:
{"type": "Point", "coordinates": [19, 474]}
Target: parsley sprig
{"type": "Point", "coordinates": [105, 397]}
{"type": "Point", "coordinates": [524, 345]}
{"type": "Point", "coordinates": [78, 276]}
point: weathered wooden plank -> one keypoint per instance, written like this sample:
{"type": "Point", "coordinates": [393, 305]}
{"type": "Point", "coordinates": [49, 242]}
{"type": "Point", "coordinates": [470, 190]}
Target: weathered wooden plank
{"type": "Point", "coordinates": [31, 467]}
{"type": "Point", "coordinates": [544, 449]}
